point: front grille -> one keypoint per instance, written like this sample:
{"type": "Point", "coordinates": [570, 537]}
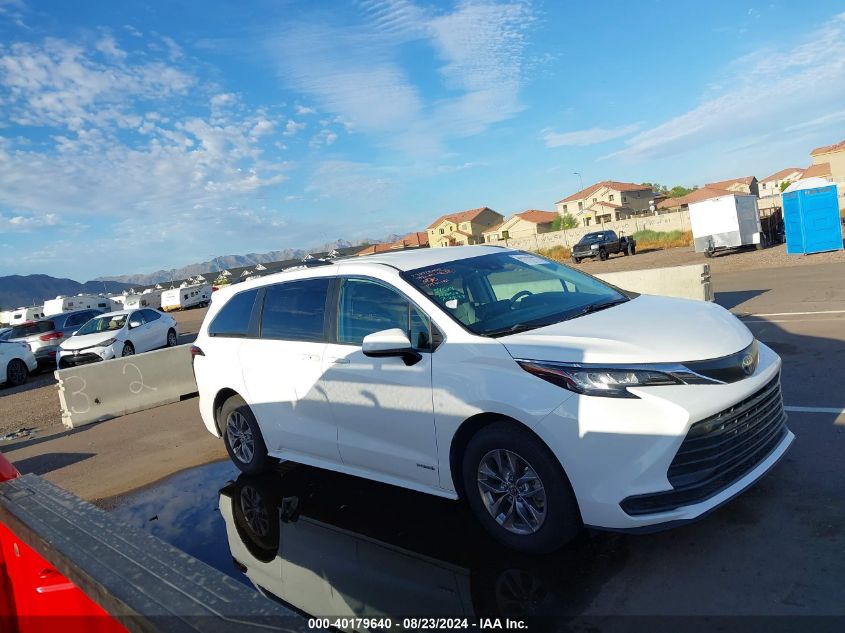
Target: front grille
{"type": "Point", "coordinates": [718, 451]}
{"type": "Point", "coordinates": [80, 359]}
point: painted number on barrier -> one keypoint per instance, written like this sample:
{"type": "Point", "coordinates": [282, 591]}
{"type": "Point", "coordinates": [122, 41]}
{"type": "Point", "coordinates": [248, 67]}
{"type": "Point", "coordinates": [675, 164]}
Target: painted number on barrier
{"type": "Point", "coordinates": [79, 393]}
{"type": "Point", "coordinates": [137, 386]}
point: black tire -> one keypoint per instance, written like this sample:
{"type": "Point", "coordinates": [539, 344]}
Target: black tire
{"type": "Point", "coordinates": [602, 254]}
{"type": "Point", "coordinates": [632, 250]}
{"type": "Point", "coordinates": [16, 372]}
{"type": "Point", "coordinates": [255, 506]}
{"type": "Point", "coordinates": [246, 446]}
{"type": "Point", "coordinates": [172, 338]}
{"type": "Point", "coordinates": [128, 349]}
{"type": "Point", "coordinates": [562, 520]}
{"type": "Point", "coordinates": [575, 260]}
{"type": "Point", "coordinates": [708, 254]}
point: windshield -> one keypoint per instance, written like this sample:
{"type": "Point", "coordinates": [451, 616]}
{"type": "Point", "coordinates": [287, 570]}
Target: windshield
{"type": "Point", "coordinates": [103, 324]}
{"type": "Point", "coordinates": [592, 237]}
{"type": "Point", "coordinates": [31, 329]}
{"type": "Point", "coordinates": [507, 292]}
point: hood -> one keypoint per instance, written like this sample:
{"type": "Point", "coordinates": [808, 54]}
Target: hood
{"type": "Point", "coordinates": [90, 340]}
{"type": "Point", "coordinates": [647, 329]}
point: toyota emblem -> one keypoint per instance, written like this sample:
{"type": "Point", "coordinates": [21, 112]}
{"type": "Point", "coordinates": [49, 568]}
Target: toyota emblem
{"type": "Point", "coordinates": [747, 364]}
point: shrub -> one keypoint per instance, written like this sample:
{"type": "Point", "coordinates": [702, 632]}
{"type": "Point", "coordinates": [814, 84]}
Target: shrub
{"type": "Point", "coordinates": [557, 253]}
{"type": "Point", "coordinates": [658, 239]}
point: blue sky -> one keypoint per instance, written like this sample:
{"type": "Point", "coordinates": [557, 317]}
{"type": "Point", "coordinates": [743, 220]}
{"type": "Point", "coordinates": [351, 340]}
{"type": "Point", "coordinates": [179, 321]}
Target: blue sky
{"type": "Point", "coordinates": [139, 136]}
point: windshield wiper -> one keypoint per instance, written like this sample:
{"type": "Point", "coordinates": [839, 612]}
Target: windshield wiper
{"type": "Point", "coordinates": [517, 327]}
{"type": "Point", "coordinates": [595, 307]}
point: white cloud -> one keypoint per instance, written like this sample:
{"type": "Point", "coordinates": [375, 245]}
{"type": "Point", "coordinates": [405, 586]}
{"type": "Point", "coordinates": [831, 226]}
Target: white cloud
{"type": "Point", "coordinates": [348, 180]}
{"type": "Point", "coordinates": [25, 223]}
{"type": "Point", "coordinates": [591, 136]}
{"type": "Point", "coordinates": [356, 71]}
{"type": "Point", "coordinates": [766, 91]}
{"type": "Point", "coordinates": [323, 138]}
{"type": "Point", "coordinates": [304, 110]}
{"type": "Point", "coordinates": [108, 46]}
{"type": "Point", "coordinates": [292, 127]}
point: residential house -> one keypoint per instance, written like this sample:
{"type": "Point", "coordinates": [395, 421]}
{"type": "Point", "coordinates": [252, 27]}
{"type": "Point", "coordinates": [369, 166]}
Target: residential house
{"type": "Point", "coordinates": [417, 239]}
{"type": "Point", "coordinates": [463, 228]}
{"type": "Point", "coordinates": [744, 184]}
{"type": "Point", "coordinates": [770, 187]}
{"type": "Point", "coordinates": [531, 222]}
{"type": "Point", "coordinates": [830, 159]}
{"type": "Point", "coordinates": [607, 201]}
{"type": "Point", "coordinates": [696, 195]}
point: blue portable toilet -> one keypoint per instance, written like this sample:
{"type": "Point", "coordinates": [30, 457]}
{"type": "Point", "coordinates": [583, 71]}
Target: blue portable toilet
{"type": "Point", "coordinates": [811, 217]}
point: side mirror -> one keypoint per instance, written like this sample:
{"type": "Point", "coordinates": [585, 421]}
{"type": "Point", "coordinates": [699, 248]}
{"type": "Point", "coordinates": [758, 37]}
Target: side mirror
{"type": "Point", "coordinates": [392, 342]}
{"type": "Point", "coordinates": [134, 324]}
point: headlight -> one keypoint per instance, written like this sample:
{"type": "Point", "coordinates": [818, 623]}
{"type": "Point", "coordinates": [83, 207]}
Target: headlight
{"type": "Point", "coordinates": [611, 382]}
{"type": "Point", "coordinates": [107, 343]}
{"type": "Point", "coordinates": [594, 246]}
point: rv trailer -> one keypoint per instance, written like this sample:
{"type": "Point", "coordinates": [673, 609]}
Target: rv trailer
{"type": "Point", "coordinates": [186, 297]}
{"type": "Point", "coordinates": [724, 222]}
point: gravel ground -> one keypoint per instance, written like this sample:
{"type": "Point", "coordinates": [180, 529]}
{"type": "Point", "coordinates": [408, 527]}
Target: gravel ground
{"type": "Point", "coordinates": [774, 257]}
{"type": "Point", "coordinates": [35, 404]}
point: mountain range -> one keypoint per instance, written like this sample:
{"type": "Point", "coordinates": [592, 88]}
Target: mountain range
{"type": "Point", "coordinates": [224, 262]}
{"type": "Point", "coordinates": [26, 290]}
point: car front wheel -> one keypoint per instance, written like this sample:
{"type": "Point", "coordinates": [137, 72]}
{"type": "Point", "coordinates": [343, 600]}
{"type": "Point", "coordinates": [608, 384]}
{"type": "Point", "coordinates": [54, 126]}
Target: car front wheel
{"type": "Point", "coordinates": [602, 254]}
{"type": "Point", "coordinates": [243, 439]}
{"type": "Point", "coordinates": [172, 339]}
{"type": "Point", "coordinates": [518, 490]}
{"type": "Point", "coordinates": [128, 349]}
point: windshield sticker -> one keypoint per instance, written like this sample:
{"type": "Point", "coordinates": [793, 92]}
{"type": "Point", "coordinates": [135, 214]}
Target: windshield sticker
{"type": "Point", "coordinates": [531, 260]}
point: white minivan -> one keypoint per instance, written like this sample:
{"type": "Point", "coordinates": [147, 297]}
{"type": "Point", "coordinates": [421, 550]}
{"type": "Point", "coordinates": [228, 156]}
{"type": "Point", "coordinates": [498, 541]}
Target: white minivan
{"type": "Point", "coordinates": [545, 398]}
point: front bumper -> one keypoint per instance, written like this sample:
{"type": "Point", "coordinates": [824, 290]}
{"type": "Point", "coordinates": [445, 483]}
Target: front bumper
{"type": "Point", "coordinates": [73, 358]}
{"type": "Point", "coordinates": [585, 253]}
{"type": "Point", "coordinates": [615, 450]}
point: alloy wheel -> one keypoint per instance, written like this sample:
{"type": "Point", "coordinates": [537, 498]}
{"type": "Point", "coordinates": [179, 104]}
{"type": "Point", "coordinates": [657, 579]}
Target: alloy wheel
{"type": "Point", "coordinates": [171, 338]}
{"type": "Point", "coordinates": [240, 437]}
{"type": "Point", "coordinates": [512, 491]}
{"type": "Point", "coordinates": [254, 511]}
{"type": "Point", "coordinates": [16, 372]}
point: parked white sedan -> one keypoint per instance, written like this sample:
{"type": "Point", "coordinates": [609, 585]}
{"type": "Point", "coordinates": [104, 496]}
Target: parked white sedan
{"type": "Point", "coordinates": [16, 362]}
{"type": "Point", "coordinates": [116, 334]}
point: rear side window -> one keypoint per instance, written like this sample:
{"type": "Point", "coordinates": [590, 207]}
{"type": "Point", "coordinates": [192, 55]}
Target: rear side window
{"type": "Point", "coordinates": [150, 315]}
{"type": "Point", "coordinates": [77, 319]}
{"type": "Point", "coordinates": [233, 318]}
{"type": "Point", "coordinates": [28, 329]}
{"type": "Point", "coordinates": [294, 311]}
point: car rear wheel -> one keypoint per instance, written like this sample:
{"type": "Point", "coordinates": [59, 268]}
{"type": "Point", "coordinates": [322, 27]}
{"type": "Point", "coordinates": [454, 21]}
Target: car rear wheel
{"type": "Point", "coordinates": [172, 339]}
{"type": "Point", "coordinates": [16, 372]}
{"type": "Point", "coordinates": [243, 438]}
{"type": "Point", "coordinates": [632, 250]}
{"type": "Point", "coordinates": [518, 490]}
{"type": "Point", "coordinates": [602, 254]}
{"type": "Point", "coordinates": [128, 349]}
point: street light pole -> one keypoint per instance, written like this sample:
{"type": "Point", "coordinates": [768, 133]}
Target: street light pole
{"type": "Point", "coordinates": [580, 180]}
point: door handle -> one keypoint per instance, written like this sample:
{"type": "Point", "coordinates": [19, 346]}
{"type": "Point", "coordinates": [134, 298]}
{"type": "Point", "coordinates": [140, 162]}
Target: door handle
{"type": "Point", "coordinates": [338, 360]}
{"type": "Point", "coordinates": [311, 357]}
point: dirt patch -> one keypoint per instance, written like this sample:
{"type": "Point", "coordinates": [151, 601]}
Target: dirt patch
{"type": "Point", "coordinates": [774, 257]}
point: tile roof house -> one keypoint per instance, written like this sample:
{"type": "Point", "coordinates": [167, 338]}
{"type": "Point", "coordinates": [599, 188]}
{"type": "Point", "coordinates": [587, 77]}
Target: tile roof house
{"type": "Point", "coordinates": [696, 195]}
{"type": "Point", "coordinates": [819, 170]}
{"type": "Point", "coordinates": [462, 228]}
{"type": "Point", "coordinates": [770, 187]}
{"type": "Point", "coordinates": [531, 222]}
{"type": "Point", "coordinates": [607, 201]}
{"type": "Point", "coordinates": [417, 239]}
{"type": "Point", "coordinates": [744, 184]}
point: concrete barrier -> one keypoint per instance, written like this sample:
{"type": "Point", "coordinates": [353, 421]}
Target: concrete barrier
{"type": "Point", "coordinates": [99, 391]}
{"type": "Point", "coordinates": [687, 282]}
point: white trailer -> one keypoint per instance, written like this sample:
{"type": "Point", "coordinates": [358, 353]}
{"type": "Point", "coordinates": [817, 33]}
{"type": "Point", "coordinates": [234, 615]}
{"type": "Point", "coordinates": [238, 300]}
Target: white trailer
{"type": "Point", "coordinates": [22, 315]}
{"type": "Point", "coordinates": [148, 299]}
{"type": "Point", "coordinates": [186, 297]}
{"type": "Point", "coordinates": [78, 302]}
{"type": "Point", "coordinates": [728, 221]}
{"type": "Point", "coordinates": [5, 317]}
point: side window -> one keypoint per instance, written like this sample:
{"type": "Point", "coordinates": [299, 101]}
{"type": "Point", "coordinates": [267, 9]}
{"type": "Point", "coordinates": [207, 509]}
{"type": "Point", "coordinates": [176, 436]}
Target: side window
{"type": "Point", "coordinates": [367, 306]}
{"type": "Point", "coordinates": [150, 315]}
{"type": "Point", "coordinates": [137, 316]}
{"type": "Point", "coordinates": [612, 236]}
{"type": "Point", "coordinates": [294, 311]}
{"type": "Point", "coordinates": [74, 320]}
{"type": "Point", "coordinates": [233, 318]}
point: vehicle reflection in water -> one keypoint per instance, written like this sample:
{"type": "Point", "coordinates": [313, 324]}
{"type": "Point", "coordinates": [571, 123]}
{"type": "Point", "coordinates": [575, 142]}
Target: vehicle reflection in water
{"type": "Point", "coordinates": [332, 545]}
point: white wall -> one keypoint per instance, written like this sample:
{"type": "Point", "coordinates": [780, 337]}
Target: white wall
{"type": "Point", "coordinates": [668, 222]}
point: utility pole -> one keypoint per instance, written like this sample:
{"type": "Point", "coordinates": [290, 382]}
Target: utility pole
{"type": "Point", "coordinates": [580, 180]}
